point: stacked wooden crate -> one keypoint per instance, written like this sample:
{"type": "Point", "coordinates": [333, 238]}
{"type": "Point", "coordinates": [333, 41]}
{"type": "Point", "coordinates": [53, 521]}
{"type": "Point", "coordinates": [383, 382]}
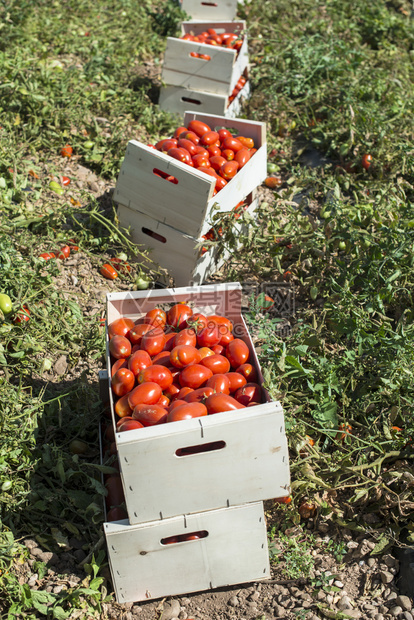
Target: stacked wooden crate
{"type": "Point", "coordinates": [194, 489]}
{"type": "Point", "coordinates": [171, 218]}
{"type": "Point", "coordinates": [203, 77]}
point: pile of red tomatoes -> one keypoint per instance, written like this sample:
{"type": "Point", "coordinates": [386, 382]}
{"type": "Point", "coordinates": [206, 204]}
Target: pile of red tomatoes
{"type": "Point", "coordinates": [229, 40]}
{"type": "Point", "coordinates": [178, 365]}
{"type": "Point", "coordinates": [217, 153]}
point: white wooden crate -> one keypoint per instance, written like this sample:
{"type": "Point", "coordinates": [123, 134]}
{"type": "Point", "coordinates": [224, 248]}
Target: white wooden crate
{"type": "Point", "coordinates": [249, 464]}
{"type": "Point", "coordinates": [174, 250]}
{"type": "Point", "coordinates": [234, 551]}
{"type": "Point", "coordinates": [210, 9]}
{"type": "Point", "coordinates": [219, 75]}
{"type": "Point", "coordinates": [176, 99]}
{"type": "Point", "coordinates": [187, 204]}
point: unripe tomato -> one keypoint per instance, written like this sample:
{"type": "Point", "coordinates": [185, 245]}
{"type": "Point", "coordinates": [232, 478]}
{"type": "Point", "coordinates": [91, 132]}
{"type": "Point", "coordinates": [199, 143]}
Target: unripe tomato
{"type": "Point", "coordinates": [153, 341]}
{"type": "Point", "coordinates": [120, 327]}
{"type": "Point", "coordinates": [6, 305]}
{"type": "Point", "coordinates": [183, 355]}
{"type": "Point", "coordinates": [194, 376]}
{"type": "Point", "coordinates": [217, 403]}
{"type": "Point", "coordinates": [186, 412]}
{"type": "Point", "coordinates": [158, 374]}
{"type": "Point", "coordinates": [219, 383]}
{"type": "Point", "coordinates": [123, 381]}
{"type": "Point", "coordinates": [178, 315]}
{"type": "Point", "coordinates": [198, 127]}
{"type": "Point", "coordinates": [149, 415]}
{"type": "Point", "coordinates": [237, 352]}
{"type": "Point", "coordinates": [145, 394]}
{"type": "Point", "coordinates": [119, 346]}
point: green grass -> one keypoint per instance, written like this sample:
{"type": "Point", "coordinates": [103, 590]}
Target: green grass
{"type": "Point", "coordinates": [334, 76]}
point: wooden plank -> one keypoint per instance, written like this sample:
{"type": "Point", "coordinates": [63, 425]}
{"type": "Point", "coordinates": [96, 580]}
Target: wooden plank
{"type": "Point", "coordinates": [143, 568]}
{"type": "Point", "coordinates": [176, 100]}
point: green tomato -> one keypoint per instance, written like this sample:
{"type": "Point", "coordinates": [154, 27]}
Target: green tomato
{"type": "Point", "coordinates": [7, 485]}
{"type": "Point", "coordinates": [122, 256]}
{"type": "Point", "coordinates": [271, 168]}
{"type": "Point", "coordinates": [313, 292]}
{"type": "Point", "coordinates": [5, 304]}
{"type": "Point", "coordinates": [342, 245]}
{"type": "Point", "coordinates": [141, 284]}
{"type": "Point", "coordinates": [55, 187]}
{"type": "Point", "coordinates": [88, 144]}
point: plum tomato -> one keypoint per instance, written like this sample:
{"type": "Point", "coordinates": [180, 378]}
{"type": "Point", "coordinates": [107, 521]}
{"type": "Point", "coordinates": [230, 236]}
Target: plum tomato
{"type": "Point", "coordinates": [196, 321]}
{"type": "Point", "coordinates": [232, 144]}
{"type": "Point", "coordinates": [66, 151]}
{"type": "Point", "coordinates": [223, 322]}
{"type": "Point", "coordinates": [153, 341]}
{"type": "Point", "coordinates": [138, 361]}
{"type": "Point", "coordinates": [119, 347]}
{"type": "Point", "coordinates": [121, 363]}
{"type": "Point", "coordinates": [205, 352]}
{"type": "Point", "coordinates": [237, 352]}
{"type": "Point", "coordinates": [122, 408]}
{"type": "Point", "coordinates": [228, 154]}
{"type": "Point", "coordinates": [180, 154]}
{"type": "Point", "coordinates": [178, 315]}
{"type": "Point", "coordinates": [108, 272]}
{"type": "Point", "coordinates": [223, 134]}
{"type": "Point", "coordinates": [156, 317]}
{"type": "Point", "coordinates": [217, 403]}
{"type": "Point", "coordinates": [172, 391]}
{"type": "Point", "coordinates": [128, 424]}
{"type": "Point", "coordinates": [214, 150]}
{"type": "Point", "coordinates": [218, 364]}
{"type": "Point", "coordinates": [201, 161]}
{"type": "Point", "coordinates": [219, 383]}
{"type": "Point", "coordinates": [169, 341]}
{"type": "Point", "coordinates": [237, 380]}
{"type": "Point", "coordinates": [188, 145]}
{"type": "Point", "coordinates": [248, 371]}
{"type": "Point", "coordinates": [183, 355]}
{"type": "Point", "coordinates": [194, 376]}
{"type": "Point", "coordinates": [242, 157]}
{"type": "Point", "coordinates": [198, 127]}
{"type": "Point", "coordinates": [210, 137]}
{"type": "Point", "coordinates": [248, 143]}
{"type": "Point", "coordinates": [199, 395]}
{"type": "Point", "coordinates": [249, 393]}
{"type": "Point", "coordinates": [187, 411]}
{"type": "Point", "coordinates": [122, 382]}
{"type": "Point", "coordinates": [366, 161]}
{"type": "Point", "coordinates": [209, 335]}
{"type": "Point", "coordinates": [217, 161]}
{"type": "Point", "coordinates": [183, 392]}
{"type": "Point", "coordinates": [164, 401]}
{"type": "Point", "coordinates": [64, 252]}
{"type": "Point", "coordinates": [229, 169]}
{"type": "Point", "coordinates": [226, 338]}
{"type": "Point", "coordinates": [149, 415]}
{"type": "Point", "coordinates": [186, 336]}
{"type": "Point", "coordinates": [120, 327]}
{"type": "Point", "coordinates": [162, 359]}
{"type": "Point", "coordinates": [189, 135]}
{"type": "Point", "coordinates": [135, 334]}
{"type": "Point", "coordinates": [179, 131]}
{"type": "Point", "coordinates": [158, 374]}
{"type": "Point", "coordinates": [145, 394]}
{"type": "Point", "coordinates": [166, 144]}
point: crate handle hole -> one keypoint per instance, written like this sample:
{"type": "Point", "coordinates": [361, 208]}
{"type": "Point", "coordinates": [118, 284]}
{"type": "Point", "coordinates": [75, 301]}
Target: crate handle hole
{"type": "Point", "coordinates": [172, 540]}
{"type": "Point", "coordinates": [193, 101]}
{"type": "Point", "coordinates": [209, 4]}
{"type": "Point", "coordinates": [199, 449]}
{"type": "Point", "coordinates": [165, 175]}
{"type": "Point", "coordinates": [153, 234]}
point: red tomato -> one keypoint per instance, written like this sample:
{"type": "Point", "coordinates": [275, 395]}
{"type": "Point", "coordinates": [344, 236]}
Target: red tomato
{"type": "Point", "coordinates": [186, 336]}
{"type": "Point", "coordinates": [216, 162]}
{"type": "Point", "coordinates": [121, 363]}
{"type": "Point", "coordinates": [149, 415]}
{"type": "Point", "coordinates": [217, 403]}
{"type": "Point", "coordinates": [205, 352]}
{"type": "Point", "coordinates": [198, 127]}
{"type": "Point", "coordinates": [183, 393]}
{"type": "Point", "coordinates": [47, 255]}
{"type": "Point", "coordinates": [178, 315]}
{"type": "Point", "coordinates": [366, 161]}
{"type": "Point", "coordinates": [169, 341]}
{"type": "Point", "coordinates": [180, 154]}
{"type": "Point", "coordinates": [210, 137]}
{"type": "Point", "coordinates": [218, 364]}
{"type": "Point", "coordinates": [189, 135]}
{"type": "Point", "coordinates": [153, 342]}
{"type": "Point", "coordinates": [199, 395]}
{"type": "Point", "coordinates": [232, 143]}
{"type": "Point", "coordinates": [237, 352]}
{"type": "Point", "coordinates": [138, 361]}
{"type": "Point", "coordinates": [248, 371]}
{"type": "Point", "coordinates": [249, 393]}
{"type": "Point", "coordinates": [228, 154]}
{"type": "Point", "coordinates": [64, 252]}
{"type": "Point", "coordinates": [188, 145]}
{"type": "Point", "coordinates": [226, 338]}
{"type": "Point", "coordinates": [186, 412]}
{"type": "Point", "coordinates": [123, 381]}
{"type": "Point", "coordinates": [172, 391]}
{"type": "Point", "coordinates": [200, 150]}
{"type": "Point", "coordinates": [164, 401]}
{"type": "Point", "coordinates": [214, 150]}
{"type": "Point", "coordinates": [248, 143]}
{"type": "Point", "coordinates": [217, 349]}
{"type": "Point", "coordinates": [157, 374]}
{"type": "Point", "coordinates": [201, 161]}
{"type": "Point", "coordinates": [223, 322]}
{"type": "Point", "coordinates": [128, 424]}
{"type": "Point", "coordinates": [197, 321]}
{"type": "Point", "coordinates": [119, 346]}
{"type": "Point", "coordinates": [120, 327]}
{"type": "Point", "coordinates": [145, 394]}
{"type": "Point", "coordinates": [219, 384]}
{"type": "Point", "coordinates": [166, 144]}
{"type": "Point", "coordinates": [229, 169]}
{"type": "Point", "coordinates": [223, 134]}
{"type": "Point", "coordinates": [242, 157]}
{"type": "Point", "coordinates": [66, 151]}
{"type": "Point", "coordinates": [236, 380]}
{"type": "Point", "coordinates": [116, 514]}
{"type": "Point", "coordinates": [162, 359]}
{"type": "Point", "coordinates": [179, 131]}
{"type": "Point", "coordinates": [209, 336]}
{"type": "Point", "coordinates": [122, 408]}
{"type": "Point", "coordinates": [115, 492]}
{"type": "Point", "coordinates": [156, 317]}
{"type": "Point", "coordinates": [183, 355]}
{"type": "Point", "coordinates": [22, 316]}
{"type": "Point", "coordinates": [194, 376]}
{"type": "Point", "coordinates": [108, 272]}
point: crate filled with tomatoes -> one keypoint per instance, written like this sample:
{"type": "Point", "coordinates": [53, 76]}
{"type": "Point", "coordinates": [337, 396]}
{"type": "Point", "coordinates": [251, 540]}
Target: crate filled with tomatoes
{"type": "Point", "coordinates": [210, 57]}
{"type": "Point", "coordinates": [194, 429]}
{"type": "Point", "coordinates": [210, 9]}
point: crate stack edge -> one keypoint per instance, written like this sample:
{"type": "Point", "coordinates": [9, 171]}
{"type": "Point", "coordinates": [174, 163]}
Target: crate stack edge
{"type": "Point", "coordinates": [227, 505]}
